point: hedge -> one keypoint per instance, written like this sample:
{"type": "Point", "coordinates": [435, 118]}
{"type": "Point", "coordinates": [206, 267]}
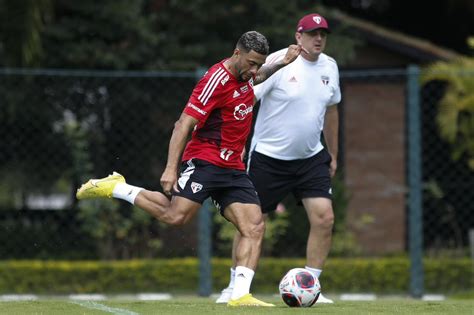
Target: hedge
{"type": "Point", "coordinates": [383, 275]}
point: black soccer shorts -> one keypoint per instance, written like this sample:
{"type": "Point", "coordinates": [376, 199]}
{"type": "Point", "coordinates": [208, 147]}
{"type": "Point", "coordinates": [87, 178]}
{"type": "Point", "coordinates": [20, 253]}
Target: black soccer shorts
{"type": "Point", "coordinates": [199, 180]}
{"type": "Point", "coordinates": [274, 179]}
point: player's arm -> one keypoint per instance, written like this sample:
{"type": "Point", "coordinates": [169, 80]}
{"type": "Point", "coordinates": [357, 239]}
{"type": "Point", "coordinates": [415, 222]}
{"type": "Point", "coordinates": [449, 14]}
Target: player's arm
{"type": "Point", "coordinates": [182, 128]}
{"type": "Point", "coordinates": [267, 70]}
{"type": "Point", "coordinates": [330, 130]}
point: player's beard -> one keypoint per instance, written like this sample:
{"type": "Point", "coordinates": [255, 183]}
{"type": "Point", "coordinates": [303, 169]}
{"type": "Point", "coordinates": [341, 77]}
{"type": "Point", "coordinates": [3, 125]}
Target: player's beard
{"type": "Point", "coordinates": [241, 78]}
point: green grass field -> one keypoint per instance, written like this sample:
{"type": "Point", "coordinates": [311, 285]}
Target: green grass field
{"type": "Point", "coordinates": [195, 305]}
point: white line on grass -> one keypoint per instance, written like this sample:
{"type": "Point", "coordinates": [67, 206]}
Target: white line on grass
{"type": "Point", "coordinates": [87, 297]}
{"type": "Point", "coordinates": [105, 308]}
{"type": "Point", "coordinates": [18, 297]}
{"type": "Point", "coordinates": [154, 296]}
{"type": "Point", "coordinates": [358, 297]}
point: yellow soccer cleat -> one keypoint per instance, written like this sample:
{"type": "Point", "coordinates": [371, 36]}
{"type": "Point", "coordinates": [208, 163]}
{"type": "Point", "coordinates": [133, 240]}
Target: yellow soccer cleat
{"type": "Point", "coordinates": [99, 188]}
{"type": "Point", "coordinates": [248, 300]}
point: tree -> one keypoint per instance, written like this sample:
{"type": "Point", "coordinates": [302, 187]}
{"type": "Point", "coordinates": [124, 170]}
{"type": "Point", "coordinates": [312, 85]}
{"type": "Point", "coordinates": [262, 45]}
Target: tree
{"type": "Point", "coordinates": [22, 22]}
{"type": "Point", "coordinates": [455, 117]}
{"type": "Point", "coordinates": [201, 32]}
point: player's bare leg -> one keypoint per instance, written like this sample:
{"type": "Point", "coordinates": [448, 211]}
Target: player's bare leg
{"type": "Point", "coordinates": [248, 220]}
{"type": "Point", "coordinates": [178, 211]}
{"type": "Point", "coordinates": [226, 293]}
{"type": "Point", "coordinates": [321, 217]}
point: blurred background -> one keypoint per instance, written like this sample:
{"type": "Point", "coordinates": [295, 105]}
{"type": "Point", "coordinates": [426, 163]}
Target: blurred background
{"type": "Point", "coordinates": [90, 87]}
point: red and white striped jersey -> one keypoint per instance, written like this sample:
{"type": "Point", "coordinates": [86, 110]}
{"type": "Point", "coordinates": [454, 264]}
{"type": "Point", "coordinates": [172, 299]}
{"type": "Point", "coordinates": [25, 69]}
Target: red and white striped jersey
{"type": "Point", "coordinates": [223, 105]}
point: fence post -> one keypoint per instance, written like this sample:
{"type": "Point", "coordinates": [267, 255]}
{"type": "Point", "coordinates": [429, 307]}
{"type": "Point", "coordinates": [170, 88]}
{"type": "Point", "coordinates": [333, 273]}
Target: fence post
{"type": "Point", "coordinates": [204, 249]}
{"type": "Point", "coordinates": [204, 237]}
{"type": "Point", "coordinates": [415, 210]}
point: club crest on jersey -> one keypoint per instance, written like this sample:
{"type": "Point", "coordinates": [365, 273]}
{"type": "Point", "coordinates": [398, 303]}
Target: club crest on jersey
{"type": "Point", "coordinates": [325, 79]}
{"type": "Point", "coordinates": [251, 82]}
{"type": "Point", "coordinates": [195, 187]}
{"type": "Point", "coordinates": [241, 111]}
{"type": "Point", "coordinates": [224, 81]}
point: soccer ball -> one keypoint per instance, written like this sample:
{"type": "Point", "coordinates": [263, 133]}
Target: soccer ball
{"type": "Point", "coordinates": [299, 288]}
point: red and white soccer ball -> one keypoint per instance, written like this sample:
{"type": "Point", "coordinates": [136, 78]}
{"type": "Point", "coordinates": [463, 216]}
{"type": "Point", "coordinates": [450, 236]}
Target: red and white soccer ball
{"type": "Point", "coordinates": [299, 288]}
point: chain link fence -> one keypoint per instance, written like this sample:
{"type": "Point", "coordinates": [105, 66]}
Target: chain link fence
{"type": "Point", "coordinates": [59, 128]}
{"type": "Point", "coordinates": [448, 182]}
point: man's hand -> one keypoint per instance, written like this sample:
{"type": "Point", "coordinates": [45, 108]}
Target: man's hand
{"type": "Point", "coordinates": [169, 180]}
{"type": "Point", "coordinates": [292, 53]}
{"type": "Point", "coordinates": [267, 70]}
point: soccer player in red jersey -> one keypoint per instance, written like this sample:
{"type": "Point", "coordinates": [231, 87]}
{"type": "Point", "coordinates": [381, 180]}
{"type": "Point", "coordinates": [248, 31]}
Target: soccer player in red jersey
{"type": "Point", "coordinates": [219, 114]}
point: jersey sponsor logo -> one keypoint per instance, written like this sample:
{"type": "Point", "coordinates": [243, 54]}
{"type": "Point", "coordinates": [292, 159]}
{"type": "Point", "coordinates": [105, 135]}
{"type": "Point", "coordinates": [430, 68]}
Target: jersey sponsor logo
{"type": "Point", "coordinates": [293, 79]}
{"type": "Point", "coordinates": [236, 94]}
{"type": "Point", "coordinates": [219, 75]}
{"type": "Point", "coordinates": [325, 79]}
{"type": "Point", "coordinates": [196, 187]}
{"type": "Point", "coordinates": [241, 111]}
{"type": "Point", "coordinates": [200, 111]}
{"type": "Point", "coordinates": [224, 81]}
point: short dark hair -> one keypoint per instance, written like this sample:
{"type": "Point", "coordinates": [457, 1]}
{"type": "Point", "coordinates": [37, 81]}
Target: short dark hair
{"type": "Point", "coordinates": [255, 41]}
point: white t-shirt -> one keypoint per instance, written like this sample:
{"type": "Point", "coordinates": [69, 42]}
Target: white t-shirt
{"type": "Point", "coordinates": [293, 105]}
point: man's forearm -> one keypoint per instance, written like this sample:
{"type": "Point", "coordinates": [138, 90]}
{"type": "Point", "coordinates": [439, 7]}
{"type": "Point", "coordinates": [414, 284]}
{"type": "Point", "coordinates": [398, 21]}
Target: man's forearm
{"type": "Point", "coordinates": [266, 71]}
{"type": "Point", "coordinates": [331, 129]}
{"type": "Point", "coordinates": [177, 144]}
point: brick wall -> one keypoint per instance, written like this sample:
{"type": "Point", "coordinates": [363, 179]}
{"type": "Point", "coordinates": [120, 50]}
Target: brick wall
{"type": "Point", "coordinates": [374, 153]}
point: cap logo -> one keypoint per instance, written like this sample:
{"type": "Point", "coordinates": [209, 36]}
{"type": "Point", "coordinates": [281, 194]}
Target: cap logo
{"type": "Point", "coordinates": [317, 19]}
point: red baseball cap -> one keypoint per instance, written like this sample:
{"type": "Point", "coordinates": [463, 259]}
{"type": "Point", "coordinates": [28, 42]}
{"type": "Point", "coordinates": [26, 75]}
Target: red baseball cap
{"type": "Point", "coordinates": [312, 22]}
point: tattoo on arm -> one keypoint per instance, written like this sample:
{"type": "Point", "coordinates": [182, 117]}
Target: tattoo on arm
{"type": "Point", "coordinates": [266, 71]}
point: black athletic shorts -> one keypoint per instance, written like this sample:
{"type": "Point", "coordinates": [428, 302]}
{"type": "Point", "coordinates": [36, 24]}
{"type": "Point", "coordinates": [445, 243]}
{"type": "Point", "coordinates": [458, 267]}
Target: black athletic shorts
{"type": "Point", "coordinates": [199, 180]}
{"type": "Point", "coordinates": [274, 179]}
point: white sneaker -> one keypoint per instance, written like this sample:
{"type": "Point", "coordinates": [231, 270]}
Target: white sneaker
{"type": "Point", "coordinates": [323, 299]}
{"type": "Point", "coordinates": [225, 296]}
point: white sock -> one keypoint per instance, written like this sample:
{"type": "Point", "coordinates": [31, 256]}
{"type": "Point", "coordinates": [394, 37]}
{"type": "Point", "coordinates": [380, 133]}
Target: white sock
{"type": "Point", "coordinates": [126, 192]}
{"type": "Point", "coordinates": [232, 279]}
{"type": "Point", "coordinates": [314, 271]}
{"type": "Point", "coordinates": [243, 280]}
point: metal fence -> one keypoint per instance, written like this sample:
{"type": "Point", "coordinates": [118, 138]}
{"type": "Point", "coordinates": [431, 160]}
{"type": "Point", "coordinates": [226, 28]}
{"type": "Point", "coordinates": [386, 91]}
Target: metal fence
{"type": "Point", "coordinates": [58, 128]}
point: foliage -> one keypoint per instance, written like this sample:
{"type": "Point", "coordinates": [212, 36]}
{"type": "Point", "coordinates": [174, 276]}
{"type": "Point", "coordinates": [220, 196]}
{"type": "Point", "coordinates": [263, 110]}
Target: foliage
{"type": "Point", "coordinates": [455, 117]}
{"type": "Point", "coordinates": [185, 46]}
{"type": "Point", "coordinates": [22, 22]}
{"type": "Point", "coordinates": [387, 275]}
{"type": "Point", "coordinates": [117, 34]}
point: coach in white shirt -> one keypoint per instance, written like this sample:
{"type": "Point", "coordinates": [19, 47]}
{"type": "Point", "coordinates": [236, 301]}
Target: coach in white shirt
{"type": "Point", "coordinates": [286, 154]}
